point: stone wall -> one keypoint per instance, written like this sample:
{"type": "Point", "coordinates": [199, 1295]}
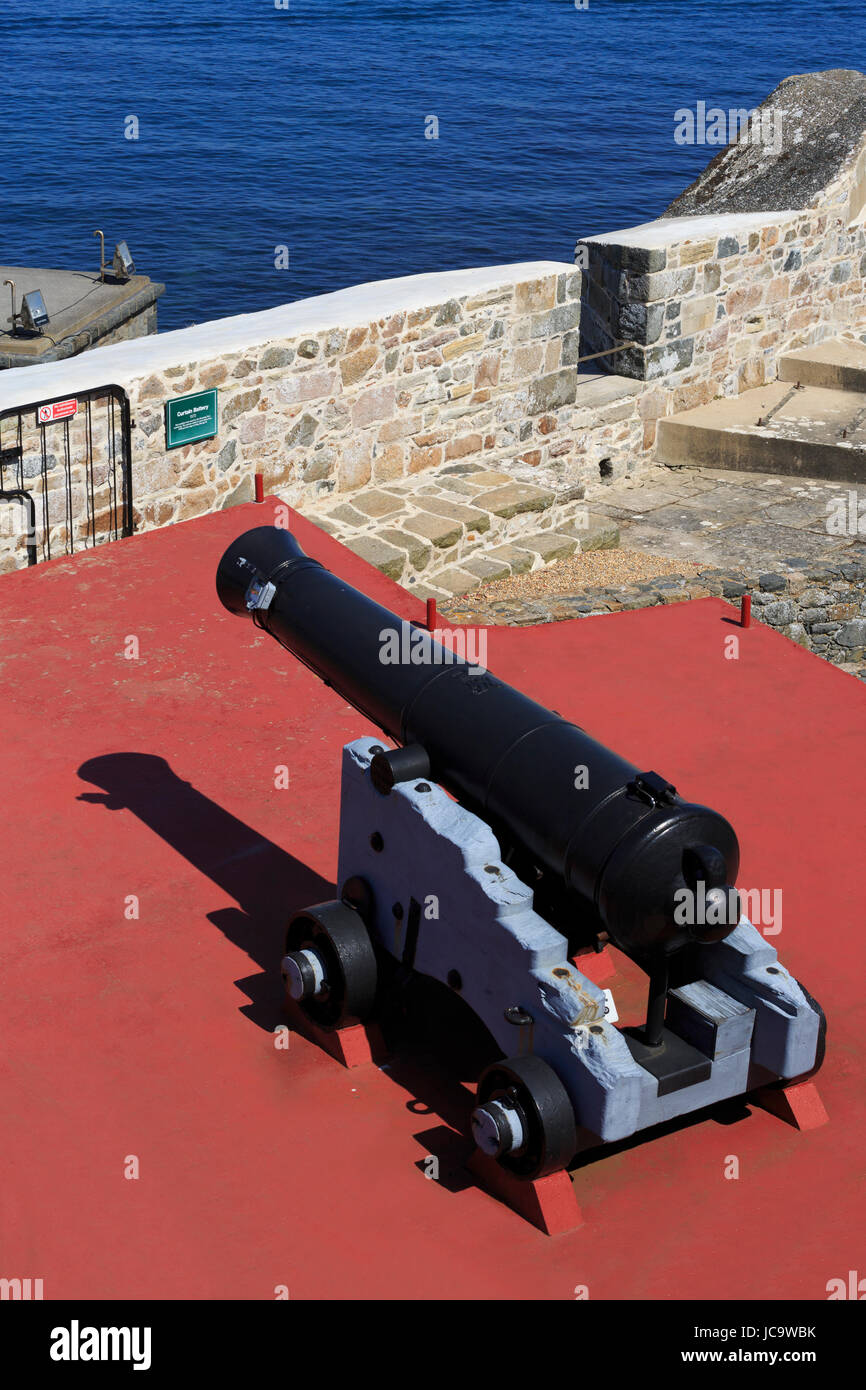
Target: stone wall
{"type": "Point", "coordinates": [710, 303]}
{"type": "Point", "coordinates": [481, 376]}
{"type": "Point", "coordinates": [373, 385]}
{"type": "Point", "coordinates": [140, 325]}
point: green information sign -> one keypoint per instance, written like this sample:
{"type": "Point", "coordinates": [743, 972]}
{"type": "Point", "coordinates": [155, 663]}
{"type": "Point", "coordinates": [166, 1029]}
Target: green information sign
{"type": "Point", "coordinates": [189, 418]}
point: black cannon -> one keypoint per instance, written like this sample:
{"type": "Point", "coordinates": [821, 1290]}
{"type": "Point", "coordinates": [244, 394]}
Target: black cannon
{"type": "Point", "coordinates": [622, 845]}
{"type": "Point", "coordinates": [606, 852]}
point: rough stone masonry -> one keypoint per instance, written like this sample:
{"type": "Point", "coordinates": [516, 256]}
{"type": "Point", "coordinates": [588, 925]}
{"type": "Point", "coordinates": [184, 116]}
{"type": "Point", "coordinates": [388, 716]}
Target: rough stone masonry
{"type": "Point", "coordinates": [324, 400]}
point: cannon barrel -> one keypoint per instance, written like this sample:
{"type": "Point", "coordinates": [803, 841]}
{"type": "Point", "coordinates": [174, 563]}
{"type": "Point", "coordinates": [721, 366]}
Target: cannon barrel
{"type": "Point", "coordinates": [622, 844]}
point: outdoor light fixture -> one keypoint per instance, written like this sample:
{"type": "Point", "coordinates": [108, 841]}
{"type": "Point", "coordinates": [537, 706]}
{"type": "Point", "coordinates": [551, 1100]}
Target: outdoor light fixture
{"type": "Point", "coordinates": [33, 315]}
{"type": "Point", "coordinates": [123, 265]}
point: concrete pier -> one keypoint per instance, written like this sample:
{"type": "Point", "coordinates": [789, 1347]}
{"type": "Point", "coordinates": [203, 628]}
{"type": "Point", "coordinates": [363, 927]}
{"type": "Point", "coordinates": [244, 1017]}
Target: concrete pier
{"type": "Point", "coordinates": [83, 311]}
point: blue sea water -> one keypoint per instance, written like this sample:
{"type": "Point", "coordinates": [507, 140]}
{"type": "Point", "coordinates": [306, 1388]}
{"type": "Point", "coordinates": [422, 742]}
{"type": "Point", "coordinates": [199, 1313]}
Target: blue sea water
{"type": "Point", "coordinates": [262, 126]}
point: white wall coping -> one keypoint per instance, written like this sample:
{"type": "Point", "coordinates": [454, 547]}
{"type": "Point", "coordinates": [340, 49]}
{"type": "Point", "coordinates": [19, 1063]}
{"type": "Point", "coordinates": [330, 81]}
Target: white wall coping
{"type": "Point", "coordinates": [121, 363]}
{"type": "Point", "coordinates": [669, 231]}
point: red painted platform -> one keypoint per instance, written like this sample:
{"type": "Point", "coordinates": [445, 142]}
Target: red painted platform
{"type": "Point", "coordinates": [261, 1166]}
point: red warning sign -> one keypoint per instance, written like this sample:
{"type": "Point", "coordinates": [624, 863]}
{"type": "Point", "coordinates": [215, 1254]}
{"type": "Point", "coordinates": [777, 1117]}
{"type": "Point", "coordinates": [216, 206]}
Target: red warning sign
{"type": "Point", "coordinates": [58, 410]}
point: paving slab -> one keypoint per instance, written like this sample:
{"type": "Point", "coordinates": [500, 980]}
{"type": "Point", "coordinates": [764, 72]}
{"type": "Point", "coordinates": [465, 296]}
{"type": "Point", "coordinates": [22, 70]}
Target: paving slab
{"type": "Point", "coordinates": [751, 518]}
{"type": "Point", "coordinates": [769, 541]}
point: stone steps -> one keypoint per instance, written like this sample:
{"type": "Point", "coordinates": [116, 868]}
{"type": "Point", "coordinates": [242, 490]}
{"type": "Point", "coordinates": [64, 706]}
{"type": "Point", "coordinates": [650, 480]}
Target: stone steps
{"type": "Point", "coordinates": [447, 530]}
{"type": "Point", "coordinates": [812, 431]}
{"type": "Point", "coordinates": [839, 364]}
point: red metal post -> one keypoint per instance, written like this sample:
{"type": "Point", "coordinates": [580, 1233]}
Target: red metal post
{"type": "Point", "coordinates": [260, 487]}
{"type": "Point", "coordinates": [431, 614]}
{"type": "Point", "coordinates": [746, 610]}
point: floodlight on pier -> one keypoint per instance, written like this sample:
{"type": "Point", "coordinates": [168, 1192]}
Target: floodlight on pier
{"type": "Point", "coordinates": [122, 265]}
{"type": "Point", "coordinates": [33, 315]}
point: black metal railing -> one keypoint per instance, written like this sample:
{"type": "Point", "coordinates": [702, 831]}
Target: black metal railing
{"type": "Point", "coordinates": [72, 473]}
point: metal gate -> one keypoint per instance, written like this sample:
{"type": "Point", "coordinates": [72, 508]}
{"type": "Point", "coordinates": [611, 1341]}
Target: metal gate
{"type": "Point", "coordinates": [65, 475]}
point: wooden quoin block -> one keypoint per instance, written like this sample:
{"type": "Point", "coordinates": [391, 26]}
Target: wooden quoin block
{"type": "Point", "coordinates": [351, 1047]}
{"type": "Point", "coordinates": [800, 1105]}
{"type": "Point", "coordinates": [547, 1203]}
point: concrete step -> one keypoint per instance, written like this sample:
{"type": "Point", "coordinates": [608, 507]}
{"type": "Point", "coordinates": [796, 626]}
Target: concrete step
{"type": "Point", "coordinates": [839, 363]}
{"type": "Point", "coordinates": [812, 431]}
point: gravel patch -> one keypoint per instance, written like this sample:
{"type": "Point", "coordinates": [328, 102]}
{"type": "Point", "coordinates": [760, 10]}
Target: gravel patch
{"type": "Point", "coordinates": [595, 568]}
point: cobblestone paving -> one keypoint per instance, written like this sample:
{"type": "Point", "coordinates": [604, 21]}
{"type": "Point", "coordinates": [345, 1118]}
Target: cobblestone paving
{"type": "Point", "coordinates": [448, 529]}
{"type": "Point", "coordinates": [792, 543]}
{"type": "Point", "coordinates": [718, 518]}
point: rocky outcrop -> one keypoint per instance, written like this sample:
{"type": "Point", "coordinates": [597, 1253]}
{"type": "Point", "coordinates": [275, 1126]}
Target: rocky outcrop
{"type": "Point", "coordinates": [814, 124]}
